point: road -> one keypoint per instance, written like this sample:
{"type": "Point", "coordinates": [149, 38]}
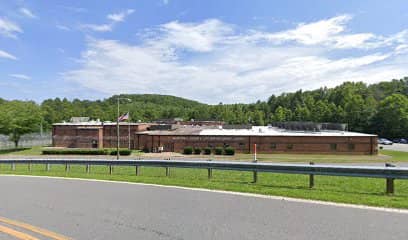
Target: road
{"type": "Point", "coordinates": [107, 210]}
{"type": "Point", "coordinates": [396, 147]}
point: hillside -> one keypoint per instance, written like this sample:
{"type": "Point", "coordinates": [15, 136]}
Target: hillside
{"type": "Point", "coordinates": [380, 108]}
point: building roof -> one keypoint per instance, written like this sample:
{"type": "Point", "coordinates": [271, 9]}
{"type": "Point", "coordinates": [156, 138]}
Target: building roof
{"type": "Point", "coordinates": [254, 131]}
{"type": "Point", "coordinates": [94, 123]}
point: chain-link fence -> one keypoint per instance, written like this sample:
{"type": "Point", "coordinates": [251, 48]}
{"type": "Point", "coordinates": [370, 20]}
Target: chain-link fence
{"type": "Point", "coordinates": [28, 140]}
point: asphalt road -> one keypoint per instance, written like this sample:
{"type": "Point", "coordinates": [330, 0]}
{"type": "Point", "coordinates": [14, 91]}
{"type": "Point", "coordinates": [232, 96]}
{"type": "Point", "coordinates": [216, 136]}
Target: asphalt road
{"type": "Point", "coordinates": [396, 147]}
{"type": "Point", "coordinates": [101, 210]}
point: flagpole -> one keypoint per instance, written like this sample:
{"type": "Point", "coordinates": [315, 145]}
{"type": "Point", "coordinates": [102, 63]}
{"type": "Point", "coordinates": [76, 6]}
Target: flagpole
{"type": "Point", "coordinates": [129, 130]}
{"type": "Point", "coordinates": [117, 127]}
{"type": "Point", "coordinates": [117, 132]}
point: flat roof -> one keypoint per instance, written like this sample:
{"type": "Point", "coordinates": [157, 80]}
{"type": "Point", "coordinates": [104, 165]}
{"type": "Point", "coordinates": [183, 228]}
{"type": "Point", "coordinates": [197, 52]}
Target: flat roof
{"type": "Point", "coordinates": [94, 123]}
{"type": "Point", "coordinates": [254, 131]}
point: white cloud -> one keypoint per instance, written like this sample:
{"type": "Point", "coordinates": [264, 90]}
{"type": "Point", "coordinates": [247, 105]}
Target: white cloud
{"type": "Point", "coordinates": [313, 33]}
{"type": "Point", "coordinates": [108, 27]}
{"type": "Point", "coordinates": [27, 12]}
{"type": "Point", "coordinates": [62, 27]}
{"type": "Point", "coordinates": [200, 37]}
{"type": "Point", "coordinates": [165, 2]}
{"type": "Point", "coordinates": [213, 61]}
{"type": "Point", "coordinates": [20, 76]}
{"type": "Point", "coordinates": [9, 28]}
{"type": "Point", "coordinates": [7, 55]}
{"type": "Point", "coordinates": [120, 17]}
{"type": "Point", "coordinates": [98, 28]}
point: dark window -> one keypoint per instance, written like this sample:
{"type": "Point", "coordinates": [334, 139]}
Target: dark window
{"type": "Point", "coordinates": [351, 146]}
{"type": "Point", "coordinates": [333, 146]}
{"type": "Point", "coordinates": [289, 146]}
{"type": "Point", "coordinates": [273, 145]}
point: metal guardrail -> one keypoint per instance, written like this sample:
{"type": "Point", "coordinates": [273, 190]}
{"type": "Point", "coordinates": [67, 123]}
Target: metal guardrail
{"type": "Point", "coordinates": [389, 172]}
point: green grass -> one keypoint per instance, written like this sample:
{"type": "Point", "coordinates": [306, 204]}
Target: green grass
{"type": "Point", "coordinates": [383, 156]}
{"type": "Point", "coordinates": [33, 151]}
{"type": "Point", "coordinates": [364, 191]}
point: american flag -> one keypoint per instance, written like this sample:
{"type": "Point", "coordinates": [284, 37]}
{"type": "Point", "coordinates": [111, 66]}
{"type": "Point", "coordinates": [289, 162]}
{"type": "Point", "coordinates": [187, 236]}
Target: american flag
{"type": "Point", "coordinates": [124, 117]}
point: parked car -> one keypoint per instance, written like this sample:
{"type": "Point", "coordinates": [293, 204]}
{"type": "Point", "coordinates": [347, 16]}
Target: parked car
{"type": "Point", "coordinates": [403, 141]}
{"type": "Point", "coordinates": [384, 141]}
{"type": "Point", "coordinates": [400, 140]}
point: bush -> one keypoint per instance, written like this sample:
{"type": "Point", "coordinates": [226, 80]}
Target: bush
{"type": "Point", "coordinates": [75, 151]}
{"type": "Point", "coordinates": [218, 150]}
{"type": "Point", "coordinates": [10, 150]}
{"type": "Point", "coordinates": [197, 151]}
{"type": "Point", "coordinates": [207, 151]}
{"type": "Point", "coordinates": [188, 150]}
{"type": "Point", "coordinates": [122, 152]}
{"type": "Point", "coordinates": [229, 151]}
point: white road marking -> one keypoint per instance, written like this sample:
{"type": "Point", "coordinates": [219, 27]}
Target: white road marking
{"type": "Point", "coordinates": [289, 199]}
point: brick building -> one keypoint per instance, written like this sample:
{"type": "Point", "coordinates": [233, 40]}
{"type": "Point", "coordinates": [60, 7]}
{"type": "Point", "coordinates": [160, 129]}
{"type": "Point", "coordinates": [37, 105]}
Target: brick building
{"type": "Point", "coordinates": [267, 139]}
{"type": "Point", "coordinates": [151, 136]}
{"type": "Point", "coordinates": [94, 134]}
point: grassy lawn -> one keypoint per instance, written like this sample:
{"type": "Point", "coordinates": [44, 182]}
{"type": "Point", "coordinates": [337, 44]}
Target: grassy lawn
{"type": "Point", "coordinates": [383, 156]}
{"type": "Point", "coordinates": [337, 189]}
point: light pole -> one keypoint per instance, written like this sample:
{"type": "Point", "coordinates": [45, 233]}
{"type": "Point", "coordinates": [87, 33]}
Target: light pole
{"type": "Point", "coordinates": [117, 126]}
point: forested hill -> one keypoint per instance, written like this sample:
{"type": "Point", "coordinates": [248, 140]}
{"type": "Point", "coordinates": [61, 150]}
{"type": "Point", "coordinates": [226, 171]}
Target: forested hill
{"type": "Point", "coordinates": [380, 108]}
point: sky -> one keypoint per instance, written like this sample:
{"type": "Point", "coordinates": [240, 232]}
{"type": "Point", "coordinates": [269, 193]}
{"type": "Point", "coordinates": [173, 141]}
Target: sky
{"type": "Point", "coordinates": [212, 51]}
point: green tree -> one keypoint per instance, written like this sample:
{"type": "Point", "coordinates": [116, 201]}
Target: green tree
{"type": "Point", "coordinates": [391, 119]}
{"type": "Point", "coordinates": [18, 118]}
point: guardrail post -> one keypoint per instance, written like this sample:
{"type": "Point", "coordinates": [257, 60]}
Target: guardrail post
{"type": "Point", "coordinates": [311, 178]}
{"type": "Point", "coordinates": [137, 170]}
{"type": "Point", "coordinates": [255, 174]}
{"type": "Point", "coordinates": [47, 167]}
{"type": "Point", "coordinates": [13, 166]}
{"type": "Point", "coordinates": [209, 171]}
{"type": "Point", "coordinates": [167, 171]}
{"type": "Point", "coordinates": [389, 181]}
{"type": "Point", "coordinates": [110, 169]}
{"type": "Point", "coordinates": [67, 167]}
{"type": "Point", "coordinates": [29, 167]}
{"type": "Point", "coordinates": [88, 168]}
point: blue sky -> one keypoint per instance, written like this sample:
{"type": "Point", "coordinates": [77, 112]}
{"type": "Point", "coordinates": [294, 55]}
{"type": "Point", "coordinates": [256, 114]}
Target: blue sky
{"type": "Point", "coordinates": [212, 51]}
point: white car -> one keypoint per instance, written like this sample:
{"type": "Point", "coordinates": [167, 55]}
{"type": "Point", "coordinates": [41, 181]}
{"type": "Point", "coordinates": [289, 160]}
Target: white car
{"type": "Point", "coordinates": [384, 141]}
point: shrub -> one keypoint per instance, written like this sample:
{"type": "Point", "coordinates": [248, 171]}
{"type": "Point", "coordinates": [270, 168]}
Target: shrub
{"type": "Point", "coordinates": [76, 151]}
{"type": "Point", "coordinates": [197, 151]}
{"type": "Point", "coordinates": [122, 152]}
{"type": "Point", "coordinates": [10, 150]}
{"type": "Point", "coordinates": [218, 150]}
{"type": "Point", "coordinates": [229, 151]}
{"type": "Point", "coordinates": [207, 151]}
{"type": "Point", "coordinates": [188, 150]}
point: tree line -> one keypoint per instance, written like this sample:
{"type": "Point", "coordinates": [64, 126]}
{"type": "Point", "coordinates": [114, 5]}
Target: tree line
{"type": "Point", "coordinates": [380, 108]}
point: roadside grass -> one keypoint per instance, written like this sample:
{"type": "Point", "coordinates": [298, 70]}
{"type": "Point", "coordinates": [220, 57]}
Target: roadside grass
{"type": "Point", "coordinates": [383, 156]}
{"type": "Point", "coordinates": [365, 191]}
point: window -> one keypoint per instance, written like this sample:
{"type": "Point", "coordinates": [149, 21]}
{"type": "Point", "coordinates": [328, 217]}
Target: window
{"type": "Point", "coordinates": [273, 145]}
{"type": "Point", "coordinates": [289, 146]}
{"type": "Point", "coordinates": [333, 146]}
{"type": "Point", "coordinates": [351, 146]}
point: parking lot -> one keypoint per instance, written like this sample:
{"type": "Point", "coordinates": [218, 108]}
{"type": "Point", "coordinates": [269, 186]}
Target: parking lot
{"type": "Point", "coordinates": [396, 147]}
